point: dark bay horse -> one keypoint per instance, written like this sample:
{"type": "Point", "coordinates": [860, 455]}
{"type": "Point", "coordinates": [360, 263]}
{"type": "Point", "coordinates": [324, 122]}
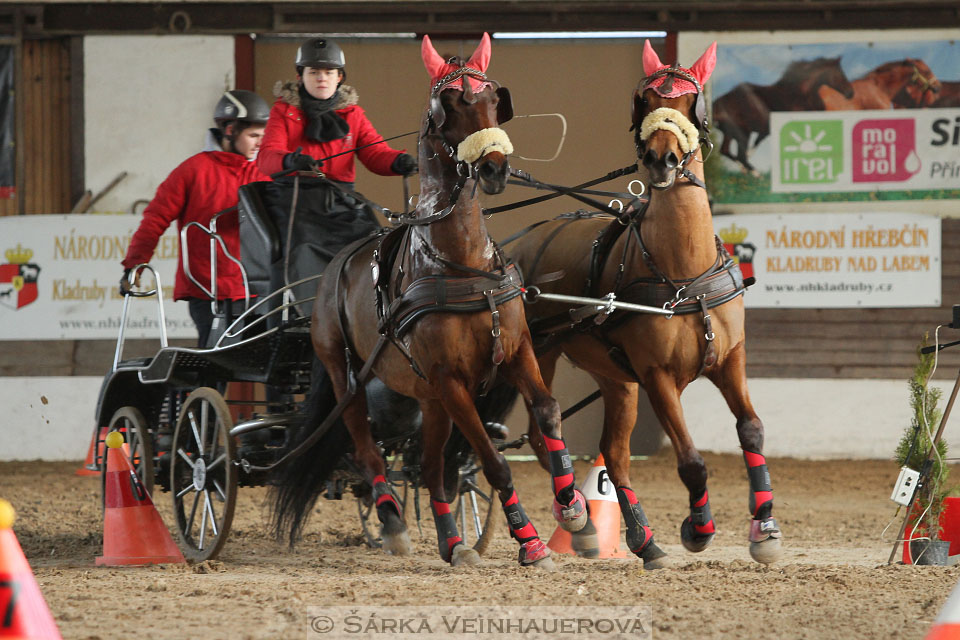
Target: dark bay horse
{"type": "Point", "coordinates": [746, 108]}
{"type": "Point", "coordinates": [432, 309]}
{"type": "Point", "coordinates": [906, 83]}
{"type": "Point", "coordinates": [664, 255]}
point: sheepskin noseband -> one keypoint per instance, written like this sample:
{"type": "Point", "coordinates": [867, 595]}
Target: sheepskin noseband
{"type": "Point", "coordinates": [667, 119]}
{"type": "Point", "coordinates": [480, 143]}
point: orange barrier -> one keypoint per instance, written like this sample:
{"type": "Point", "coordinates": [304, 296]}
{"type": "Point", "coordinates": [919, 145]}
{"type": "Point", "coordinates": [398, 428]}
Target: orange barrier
{"type": "Point", "coordinates": [947, 624]}
{"type": "Point", "coordinates": [24, 613]}
{"type": "Point", "coordinates": [89, 467]}
{"type": "Point", "coordinates": [133, 531]}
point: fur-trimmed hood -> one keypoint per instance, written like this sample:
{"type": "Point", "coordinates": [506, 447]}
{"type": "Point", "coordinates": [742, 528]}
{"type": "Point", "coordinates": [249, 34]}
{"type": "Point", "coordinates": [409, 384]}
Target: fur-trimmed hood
{"type": "Point", "coordinates": [289, 93]}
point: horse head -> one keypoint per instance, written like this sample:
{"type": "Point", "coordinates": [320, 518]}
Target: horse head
{"type": "Point", "coordinates": [464, 115]}
{"type": "Point", "coordinates": [669, 114]}
{"type": "Point", "coordinates": [923, 87]}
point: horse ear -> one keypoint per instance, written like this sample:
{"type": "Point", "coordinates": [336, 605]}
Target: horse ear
{"type": "Point", "coordinates": [703, 67]}
{"type": "Point", "coordinates": [481, 57]}
{"type": "Point", "coordinates": [651, 61]}
{"type": "Point", "coordinates": [431, 59]}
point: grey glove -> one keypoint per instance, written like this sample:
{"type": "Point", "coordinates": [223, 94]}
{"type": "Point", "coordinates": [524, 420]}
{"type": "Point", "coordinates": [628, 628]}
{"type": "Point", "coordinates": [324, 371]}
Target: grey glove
{"type": "Point", "coordinates": [404, 164]}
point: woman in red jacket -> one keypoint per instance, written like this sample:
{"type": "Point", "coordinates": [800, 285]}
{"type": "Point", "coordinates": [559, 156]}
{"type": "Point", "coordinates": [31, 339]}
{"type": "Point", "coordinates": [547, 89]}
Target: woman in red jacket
{"type": "Point", "coordinates": [200, 187]}
{"type": "Point", "coordinates": [313, 119]}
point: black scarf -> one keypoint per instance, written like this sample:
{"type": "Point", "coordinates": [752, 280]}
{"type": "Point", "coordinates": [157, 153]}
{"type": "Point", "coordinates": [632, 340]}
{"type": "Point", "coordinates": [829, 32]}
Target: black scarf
{"type": "Point", "coordinates": [323, 123]}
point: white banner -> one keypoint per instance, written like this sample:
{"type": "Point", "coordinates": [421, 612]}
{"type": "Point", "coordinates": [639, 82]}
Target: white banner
{"type": "Point", "coordinates": [829, 260]}
{"type": "Point", "coordinates": [60, 275]}
{"type": "Point", "coordinates": [905, 149]}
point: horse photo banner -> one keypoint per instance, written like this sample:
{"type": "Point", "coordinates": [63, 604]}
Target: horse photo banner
{"type": "Point", "coordinates": [757, 89]}
{"type": "Point", "coordinates": [828, 260]}
{"type": "Point", "coordinates": [60, 275]}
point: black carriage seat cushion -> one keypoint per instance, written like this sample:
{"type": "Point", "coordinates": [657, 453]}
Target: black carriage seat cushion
{"type": "Point", "coordinates": [254, 215]}
{"type": "Point", "coordinates": [260, 248]}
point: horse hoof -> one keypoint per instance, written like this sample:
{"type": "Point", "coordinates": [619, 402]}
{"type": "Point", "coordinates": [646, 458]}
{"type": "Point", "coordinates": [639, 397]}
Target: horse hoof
{"type": "Point", "coordinates": [532, 552]}
{"type": "Point", "coordinates": [693, 541]}
{"type": "Point", "coordinates": [766, 540]}
{"type": "Point", "coordinates": [585, 542]}
{"type": "Point", "coordinates": [572, 517]}
{"type": "Point", "coordinates": [397, 544]}
{"type": "Point", "coordinates": [464, 556]}
{"type": "Point", "coordinates": [654, 557]}
{"type": "Point", "coordinates": [545, 564]}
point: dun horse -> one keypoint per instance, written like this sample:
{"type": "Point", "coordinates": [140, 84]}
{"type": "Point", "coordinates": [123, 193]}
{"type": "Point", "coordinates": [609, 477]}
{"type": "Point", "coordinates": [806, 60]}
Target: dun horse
{"type": "Point", "coordinates": [433, 310]}
{"type": "Point", "coordinates": [909, 83]}
{"type": "Point", "coordinates": [665, 255]}
{"type": "Point", "coordinates": [746, 108]}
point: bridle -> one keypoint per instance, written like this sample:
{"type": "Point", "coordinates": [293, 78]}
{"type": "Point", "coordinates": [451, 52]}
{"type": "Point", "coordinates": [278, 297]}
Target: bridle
{"type": "Point", "coordinates": [466, 167]}
{"type": "Point", "coordinates": [701, 122]}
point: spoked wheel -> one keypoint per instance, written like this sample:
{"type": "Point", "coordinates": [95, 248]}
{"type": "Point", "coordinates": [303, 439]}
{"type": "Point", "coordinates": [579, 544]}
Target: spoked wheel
{"type": "Point", "coordinates": [138, 447]}
{"type": "Point", "coordinates": [475, 509]}
{"type": "Point", "coordinates": [203, 476]}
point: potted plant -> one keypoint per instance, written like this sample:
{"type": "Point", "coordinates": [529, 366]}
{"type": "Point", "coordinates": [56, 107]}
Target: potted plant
{"type": "Point", "coordinates": [914, 451]}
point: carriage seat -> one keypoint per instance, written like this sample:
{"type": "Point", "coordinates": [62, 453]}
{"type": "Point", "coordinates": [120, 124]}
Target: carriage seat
{"type": "Point", "coordinates": [260, 245]}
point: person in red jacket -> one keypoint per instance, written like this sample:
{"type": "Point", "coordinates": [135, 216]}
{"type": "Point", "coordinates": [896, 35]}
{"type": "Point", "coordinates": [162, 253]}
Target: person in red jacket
{"type": "Point", "coordinates": [313, 119]}
{"type": "Point", "coordinates": [319, 116]}
{"type": "Point", "coordinates": [199, 188]}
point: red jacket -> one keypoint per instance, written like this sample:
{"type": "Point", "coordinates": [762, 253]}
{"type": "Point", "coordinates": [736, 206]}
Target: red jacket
{"type": "Point", "coordinates": [195, 191]}
{"type": "Point", "coordinates": [285, 134]}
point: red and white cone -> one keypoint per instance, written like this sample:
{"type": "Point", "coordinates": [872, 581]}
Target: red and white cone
{"type": "Point", "coordinates": [604, 508]}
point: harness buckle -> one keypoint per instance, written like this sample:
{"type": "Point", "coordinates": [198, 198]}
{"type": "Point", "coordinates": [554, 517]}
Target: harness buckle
{"type": "Point", "coordinates": [495, 332]}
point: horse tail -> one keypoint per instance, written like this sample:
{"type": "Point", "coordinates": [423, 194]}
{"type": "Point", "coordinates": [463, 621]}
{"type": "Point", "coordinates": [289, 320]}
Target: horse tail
{"type": "Point", "coordinates": [297, 483]}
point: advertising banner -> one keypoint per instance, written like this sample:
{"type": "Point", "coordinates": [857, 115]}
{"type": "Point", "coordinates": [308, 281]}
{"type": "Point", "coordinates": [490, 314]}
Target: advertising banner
{"type": "Point", "coordinates": [866, 150]}
{"type": "Point", "coordinates": [798, 122]}
{"type": "Point", "coordinates": [60, 275]}
{"type": "Point", "coordinates": [850, 260]}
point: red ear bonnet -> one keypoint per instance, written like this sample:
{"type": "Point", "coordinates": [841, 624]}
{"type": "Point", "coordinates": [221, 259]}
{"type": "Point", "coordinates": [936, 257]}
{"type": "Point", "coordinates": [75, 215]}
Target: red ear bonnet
{"type": "Point", "coordinates": [437, 67]}
{"type": "Point", "coordinates": [700, 70]}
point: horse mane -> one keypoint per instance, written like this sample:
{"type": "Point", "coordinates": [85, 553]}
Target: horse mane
{"type": "Point", "coordinates": [890, 66]}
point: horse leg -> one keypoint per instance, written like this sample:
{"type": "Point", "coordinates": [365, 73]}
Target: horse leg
{"type": "Point", "coordinates": [619, 416]}
{"type": "Point", "coordinates": [547, 364]}
{"type": "Point", "coordinates": [569, 505]}
{"type": "Point", "coordinates": [698, 528]}
{"type": "Point", "coordinates": [393, 529]}
{"type": "Point", "coordinates": [435, 432]}
{"type": "Point", "coordinates": [731, 380]}
{"type": "Point", "coordinates": [458, 403]}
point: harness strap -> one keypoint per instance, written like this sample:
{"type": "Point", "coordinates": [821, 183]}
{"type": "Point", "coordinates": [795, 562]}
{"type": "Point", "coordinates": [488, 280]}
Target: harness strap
{"type": "Point", "coordinates": [522, 203]}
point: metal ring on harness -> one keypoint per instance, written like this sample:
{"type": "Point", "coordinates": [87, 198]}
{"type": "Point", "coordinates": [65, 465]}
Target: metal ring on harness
{"type": "Point", "coordinates": [530, 294]}
{"type": "Point", "coordinates": [643, 188]}
{"type": "Point", "coordinates": [619, 202]}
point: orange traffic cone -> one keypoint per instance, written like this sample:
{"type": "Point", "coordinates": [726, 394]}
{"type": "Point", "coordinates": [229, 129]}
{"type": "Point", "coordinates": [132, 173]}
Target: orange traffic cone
{"type": "Point", "coordinates": [947, 624]}
{"type": "Point", "coordinates": [601, 499]}
{"type": "Point", "coordinates": [26, 615]}
{"type": "Point", "coordinates": [89, 467]}
{"type": "Point", "coordinates": [133, 532]}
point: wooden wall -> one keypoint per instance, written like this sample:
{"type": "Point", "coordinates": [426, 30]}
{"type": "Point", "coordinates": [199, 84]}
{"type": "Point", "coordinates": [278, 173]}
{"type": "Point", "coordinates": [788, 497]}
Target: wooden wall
{"type": "Point", "coordinates": [44, 129]}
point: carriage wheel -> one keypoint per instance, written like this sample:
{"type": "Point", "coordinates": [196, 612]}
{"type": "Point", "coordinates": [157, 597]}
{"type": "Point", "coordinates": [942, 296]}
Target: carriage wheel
{"type": "Point", "coordinates": [203, 476]}
{"type": "Point", "coordinates": [138, 447]}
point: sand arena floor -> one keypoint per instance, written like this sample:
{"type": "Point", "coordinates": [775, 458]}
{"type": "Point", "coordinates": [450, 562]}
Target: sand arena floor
{"type": "Point", "coordinates": [833, 581]}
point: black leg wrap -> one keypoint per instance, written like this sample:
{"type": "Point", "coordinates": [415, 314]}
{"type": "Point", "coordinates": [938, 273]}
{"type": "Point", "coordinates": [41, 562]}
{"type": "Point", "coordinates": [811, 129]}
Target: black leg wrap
{"type": "Point", "coordinates": [639, 535]}
{"type": "Point", "coordinates": [520, 527]}
{"type": "Point", "coordinates": [447, 535]}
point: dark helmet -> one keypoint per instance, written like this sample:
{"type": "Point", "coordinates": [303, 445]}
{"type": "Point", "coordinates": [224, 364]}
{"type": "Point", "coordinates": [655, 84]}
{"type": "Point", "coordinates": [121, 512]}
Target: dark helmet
{"type": "Point", "coordinates": [320, 53]}
{"type": "Point", "coordinates": [241, 105]}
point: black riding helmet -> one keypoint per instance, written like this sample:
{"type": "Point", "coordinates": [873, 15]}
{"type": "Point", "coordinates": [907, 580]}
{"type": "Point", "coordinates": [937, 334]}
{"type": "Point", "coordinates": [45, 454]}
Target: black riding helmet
{"type": "Point", "coordinates": [245, 106]}
{"type": "Point", "coordinates": [321, 53]}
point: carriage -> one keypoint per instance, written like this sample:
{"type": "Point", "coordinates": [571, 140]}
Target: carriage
{"type": "Point", "coordinates": [183, 436]}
